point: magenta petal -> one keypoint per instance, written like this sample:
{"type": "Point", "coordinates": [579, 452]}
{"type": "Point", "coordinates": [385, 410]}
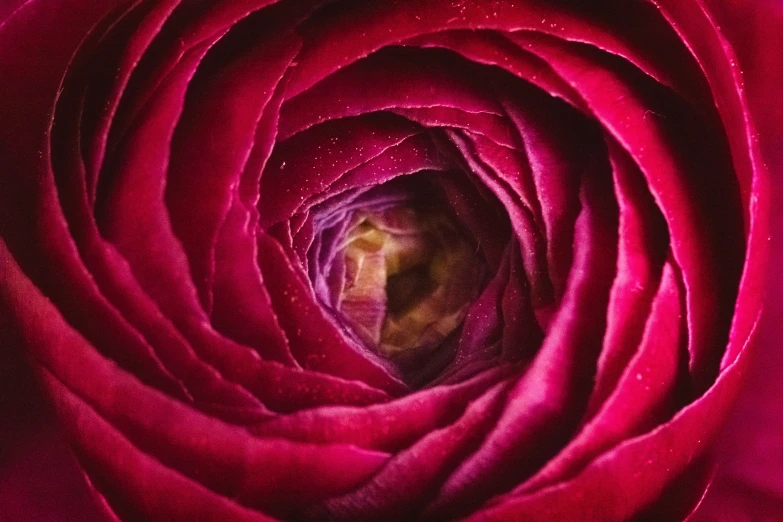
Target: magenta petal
{"type": "Point", "coordinates": [213, 142]}
{"type": "Point", "coordinates": [416, 153]}
{"type": "Point", "coordinates": [522, 332]}
{"type": "Point", "coordinates": [393, 79]}
{"type": "Point", "coordinates": [321, 346]}
{"type": "Point", "coordinates": [556, 382]}
{"type": "Point", "coordinates": [202, 447]}
{"type": "Point", "coordinates": [242, 307]}
{"type": "Point", "coordinates": [412, 476]}
{"type": "Point", "coordinates": [388, 427]}
{"type": "Point", "coordinates": [115, 280]}
{"type": "Point", "coordinates": [642, 247]}
{"type": "Point", "coordinates": [304, 165]}
{"type": "Point", "coordinates": [492, 48]}
{"type": "Point", "coordinates": [646, 392]}
{"type": "Point", "coordinates": [490, 126]}
{"type": "Point", "coordinates": [554, 152]}
{"type": "Point", "coordinates": [748, 483]}
{"type": "Point", "coordinates": [639, 467]}
{"type": "Point", "coordinates": [522, 217]}
{"type": "Point", "coordinates": [148, 489]}
{"type": "Point", "coordinates": [130, 37]}
{"type": "Point", "coordinates": [147, 62]}
{"type": "Point", "coordinates": [690, 215]}
{"type": "Point", "coordinates": [39, 477]}
{"type": "Point", "coordinates": [376, 26]}
{"type": "Point", "coordinates": [707, 44]}
{"type": "Point", "coordinates": [483, 323]}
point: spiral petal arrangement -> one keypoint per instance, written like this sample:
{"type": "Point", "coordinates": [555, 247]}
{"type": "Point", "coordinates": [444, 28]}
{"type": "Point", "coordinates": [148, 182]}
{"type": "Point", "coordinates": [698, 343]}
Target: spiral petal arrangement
{"type": "Point", "coordinates": [344, 260]}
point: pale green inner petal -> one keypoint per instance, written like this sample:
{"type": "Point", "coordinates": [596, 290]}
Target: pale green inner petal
{"type": "Point", "coordinates": [409, 279]}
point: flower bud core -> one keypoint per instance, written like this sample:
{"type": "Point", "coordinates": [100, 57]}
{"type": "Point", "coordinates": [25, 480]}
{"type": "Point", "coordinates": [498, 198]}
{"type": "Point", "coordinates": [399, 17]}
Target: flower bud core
{"type": "Point", "coordinates": [410, 274]}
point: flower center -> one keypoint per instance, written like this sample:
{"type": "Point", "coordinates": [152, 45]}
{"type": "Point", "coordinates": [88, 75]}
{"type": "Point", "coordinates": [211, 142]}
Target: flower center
{"type": "Point", "coordinates": [410, 274]}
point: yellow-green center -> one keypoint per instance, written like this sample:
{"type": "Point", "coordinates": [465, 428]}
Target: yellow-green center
{"type": "Point", "coordinates": [410, 276]}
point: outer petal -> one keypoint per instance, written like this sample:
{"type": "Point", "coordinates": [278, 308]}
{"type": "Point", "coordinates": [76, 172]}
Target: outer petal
{"type": "Point", "coordinates": [748, 483]}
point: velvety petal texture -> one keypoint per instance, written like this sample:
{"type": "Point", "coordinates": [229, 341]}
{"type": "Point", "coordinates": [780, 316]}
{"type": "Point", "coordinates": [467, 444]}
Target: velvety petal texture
{"type": "Point", "coordinates": [347, 260]}
{"type": "Point", "coordinates": [747, 482]}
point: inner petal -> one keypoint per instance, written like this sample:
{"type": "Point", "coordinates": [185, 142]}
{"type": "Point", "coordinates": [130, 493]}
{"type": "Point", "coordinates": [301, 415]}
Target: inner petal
{"type": "Point", "coordinates": [403, 273]}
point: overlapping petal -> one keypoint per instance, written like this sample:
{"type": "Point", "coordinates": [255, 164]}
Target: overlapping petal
{"type": "Point", "coordinates": [183, 174]}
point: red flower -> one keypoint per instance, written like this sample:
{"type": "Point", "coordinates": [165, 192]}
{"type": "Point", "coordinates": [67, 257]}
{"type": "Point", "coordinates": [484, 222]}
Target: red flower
{"type": "Point", "coordinates": [344, 260]}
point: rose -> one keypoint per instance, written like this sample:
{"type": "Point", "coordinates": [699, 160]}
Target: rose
{"type": "Point", "coordinates": [612, 190]}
